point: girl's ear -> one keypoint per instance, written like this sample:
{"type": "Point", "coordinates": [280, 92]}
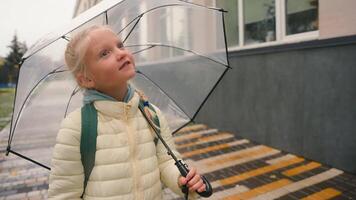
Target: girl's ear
{"type": "Point", "coordinates": [84, 81]}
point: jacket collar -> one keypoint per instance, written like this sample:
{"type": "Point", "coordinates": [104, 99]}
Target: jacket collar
{"type": "Point", "coordinates": [118, 109]}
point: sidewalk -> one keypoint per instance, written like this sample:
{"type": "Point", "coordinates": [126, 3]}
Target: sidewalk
{"type": "Point", "coordinates": [237, 169]}
{"type": "Point", "coordinates": [241, 169]}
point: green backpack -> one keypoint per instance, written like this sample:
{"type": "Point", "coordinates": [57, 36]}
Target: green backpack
{"type": "Point", "coordinates": [90, 132]}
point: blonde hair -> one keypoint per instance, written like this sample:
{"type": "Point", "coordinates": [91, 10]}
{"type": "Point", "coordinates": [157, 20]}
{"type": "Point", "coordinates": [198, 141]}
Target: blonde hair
{"type": "Point", "coordinates": [77, 48]}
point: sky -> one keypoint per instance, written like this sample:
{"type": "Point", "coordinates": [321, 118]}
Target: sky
{"type": "Point", "coordinates": [31, 19]}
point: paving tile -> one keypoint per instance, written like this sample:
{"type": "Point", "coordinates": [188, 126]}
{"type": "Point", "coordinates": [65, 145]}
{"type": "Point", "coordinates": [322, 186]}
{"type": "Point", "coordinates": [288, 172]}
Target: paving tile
{"type": "Point", "coordinates": [243, 169]}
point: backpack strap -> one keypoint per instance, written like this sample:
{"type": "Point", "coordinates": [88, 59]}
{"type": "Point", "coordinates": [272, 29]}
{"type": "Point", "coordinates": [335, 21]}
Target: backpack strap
{"type": "Point", "coordinates": [88, 140]}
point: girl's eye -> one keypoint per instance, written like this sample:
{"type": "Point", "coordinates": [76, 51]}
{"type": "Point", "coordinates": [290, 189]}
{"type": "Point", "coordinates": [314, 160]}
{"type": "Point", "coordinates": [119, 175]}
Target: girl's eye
{"type": "Point", "coordinates": [104, 53]}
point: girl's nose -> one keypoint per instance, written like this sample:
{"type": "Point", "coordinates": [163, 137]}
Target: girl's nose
{"type": "Point", "coordinates": [119, 53]}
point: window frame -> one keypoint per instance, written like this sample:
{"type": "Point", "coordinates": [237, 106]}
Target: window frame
{"type": "Point", "coordinates": [281, 36]}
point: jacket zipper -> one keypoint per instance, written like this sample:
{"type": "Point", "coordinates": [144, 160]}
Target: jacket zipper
{"type": "Point", "coordinates": [133, 153]}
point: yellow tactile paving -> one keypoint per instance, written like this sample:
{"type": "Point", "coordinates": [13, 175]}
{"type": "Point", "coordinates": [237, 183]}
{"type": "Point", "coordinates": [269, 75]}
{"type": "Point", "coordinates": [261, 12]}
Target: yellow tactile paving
{"type": "Point", "coordinates": [193, 127]}
{"type": "Point", "coordinates": [327, 193]}
{"type": "Point", "coordinates": [299, 185]}
{"type": "Point", "coordinates": [259, 190]}
{"type": "Point", "coordinates": [205, 168]}
{"type": "Point", "coordinates": [301, 169]}
{"type": "Point", "coordinates": [279, 159]}
{"type": "Point", "coordinates": [269, 191]}
{"type": "Point", "coordinates": [193, 135]}
{"type": "Point", "coordinates": [259, 171]}
{"type": "Point", "coordinates": [242, 155]}
{"type": "Point", "coordinates": [213, 148]}
{"type": "Point", "coordinates": [227, 192]}
{"type": "Point", "coordinates": [220, 136]}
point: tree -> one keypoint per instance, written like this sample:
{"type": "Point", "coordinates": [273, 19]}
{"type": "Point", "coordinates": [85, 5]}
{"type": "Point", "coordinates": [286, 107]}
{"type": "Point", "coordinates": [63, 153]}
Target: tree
{"type": "Point", "coordinates": [12, 62]}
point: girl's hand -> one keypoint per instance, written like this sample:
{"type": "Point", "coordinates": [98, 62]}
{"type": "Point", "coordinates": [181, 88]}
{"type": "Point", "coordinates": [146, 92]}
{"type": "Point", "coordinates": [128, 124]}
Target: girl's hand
{"type": "Point", "coordinates": [195, 183]}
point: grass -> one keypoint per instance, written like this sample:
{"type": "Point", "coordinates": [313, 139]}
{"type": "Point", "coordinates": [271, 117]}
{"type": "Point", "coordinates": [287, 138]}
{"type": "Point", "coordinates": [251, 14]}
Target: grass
{"type": "Point", "coordinates": [7, 96]}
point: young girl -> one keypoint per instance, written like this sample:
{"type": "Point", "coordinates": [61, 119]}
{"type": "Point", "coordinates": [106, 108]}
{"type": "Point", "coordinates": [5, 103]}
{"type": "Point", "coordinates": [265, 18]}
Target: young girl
{"type": "Point", "coordinates": [128, 164]}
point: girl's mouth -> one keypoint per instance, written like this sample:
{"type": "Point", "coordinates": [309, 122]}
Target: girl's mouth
{"type": "Point", "coordinates": [124, 65]}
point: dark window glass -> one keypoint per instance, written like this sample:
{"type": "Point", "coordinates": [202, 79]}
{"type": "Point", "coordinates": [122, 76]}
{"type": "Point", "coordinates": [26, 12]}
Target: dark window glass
{"type": "Point", "coordinates": [301, 16]}
{"type": "Point", "coordinates": [259, 21]}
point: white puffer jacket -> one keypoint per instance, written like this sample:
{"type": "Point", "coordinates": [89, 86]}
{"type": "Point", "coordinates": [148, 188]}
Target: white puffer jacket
{"type": "Point", "coordinates": [128, 165]}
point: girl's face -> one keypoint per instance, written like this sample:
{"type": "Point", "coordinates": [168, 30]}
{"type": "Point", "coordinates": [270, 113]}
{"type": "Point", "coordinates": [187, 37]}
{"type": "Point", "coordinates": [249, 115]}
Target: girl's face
{"type": "Point", "coordinates": [109, 66]}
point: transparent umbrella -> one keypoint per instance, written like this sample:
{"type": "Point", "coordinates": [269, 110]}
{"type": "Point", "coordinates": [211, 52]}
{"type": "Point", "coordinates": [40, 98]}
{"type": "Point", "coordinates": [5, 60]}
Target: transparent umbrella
{"type": "Point", "coordinates": [180, 54]}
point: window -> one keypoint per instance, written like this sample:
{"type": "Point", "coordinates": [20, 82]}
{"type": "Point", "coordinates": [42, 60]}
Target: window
{"type": "Point", "coordinates": [253, 23]}
{"type": "Point", "coordinates": [301, 16]}
{"type": "Point", "coordinates": [259, 21]}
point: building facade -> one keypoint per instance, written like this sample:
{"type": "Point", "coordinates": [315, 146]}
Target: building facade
{"type": "Point", "coordinates": [292, 83]}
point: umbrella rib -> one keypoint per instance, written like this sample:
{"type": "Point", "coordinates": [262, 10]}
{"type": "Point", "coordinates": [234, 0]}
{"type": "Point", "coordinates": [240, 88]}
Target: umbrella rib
{"type": "Point", "coordinates": [13, 109]}
{"type": "Point", "coordinates": [106, 18]}
{"type": "Point", "coordinates": [65, 37]}
{"type": "Point", "coordinates": [171, 46]}
{"type": "Point", "coordinates": [76, 89]}
{"type": "Point", "coordinates": [211, 91]}
{"type": "Point", "coordinates": [27, 158]}
{"type": "Point", "coordinates": [144, 75]}
{"type": "Point", "coordinates": [225, 39]}
{"type": "Point", "coordinates": [20, 111]}
{"type": "Point", "coordinates": [136, 52]}
{"type": "Point", "coordinates": [137, 21]}
{"type": "Point", "coordinates": [178, 129]}
{"type": "Point", "coordinates": [226, 52]}
{"type": "Point", "coordinates": [228, 65]}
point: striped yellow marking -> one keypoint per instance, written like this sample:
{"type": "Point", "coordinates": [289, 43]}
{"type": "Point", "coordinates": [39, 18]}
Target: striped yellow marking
{"type": "Point", "coordinates": [193, 135]}
{"type": "Point", "coordinates": [299, 185]}
{"type": "Point", "coordinates": [301, 169]}
{"type": "Point", "coordinates": [263, 149]}
{"type": "Point", "coordinates": [259, 171]}
{"type": "Point", "coordinates": [280, 159]}
{"type": "Point", "coordinates": [327, 193]}
{"type": "Point", "coordinates": [205, 168]}
{"type": "Point", "coordinates": [259, 190]}
{"type": "Point", "coordinates": [220, 136]}
{"type": "Point", "coordinates": [227, 192]}
{"type": "Point", "coordinates": [187, 137]}
{"type": "Point", "coordinates": [213, 148]}
{"type": "Point", "coordinates": [194, 127]}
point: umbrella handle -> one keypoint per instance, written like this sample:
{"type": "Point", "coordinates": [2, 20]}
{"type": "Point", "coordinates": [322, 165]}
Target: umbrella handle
{"type": "Point", "coordinates": [183, 169]}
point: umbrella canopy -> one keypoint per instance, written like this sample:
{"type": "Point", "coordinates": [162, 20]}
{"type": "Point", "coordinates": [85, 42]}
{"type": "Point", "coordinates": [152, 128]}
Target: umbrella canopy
{"type": "Point", "coordinates": [180, 53]}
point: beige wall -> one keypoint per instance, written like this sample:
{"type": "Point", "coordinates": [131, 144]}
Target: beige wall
{"type": "Point", "coordinates": [337, 18]}
{"type": "Point", "coordinates": [83, 5]}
